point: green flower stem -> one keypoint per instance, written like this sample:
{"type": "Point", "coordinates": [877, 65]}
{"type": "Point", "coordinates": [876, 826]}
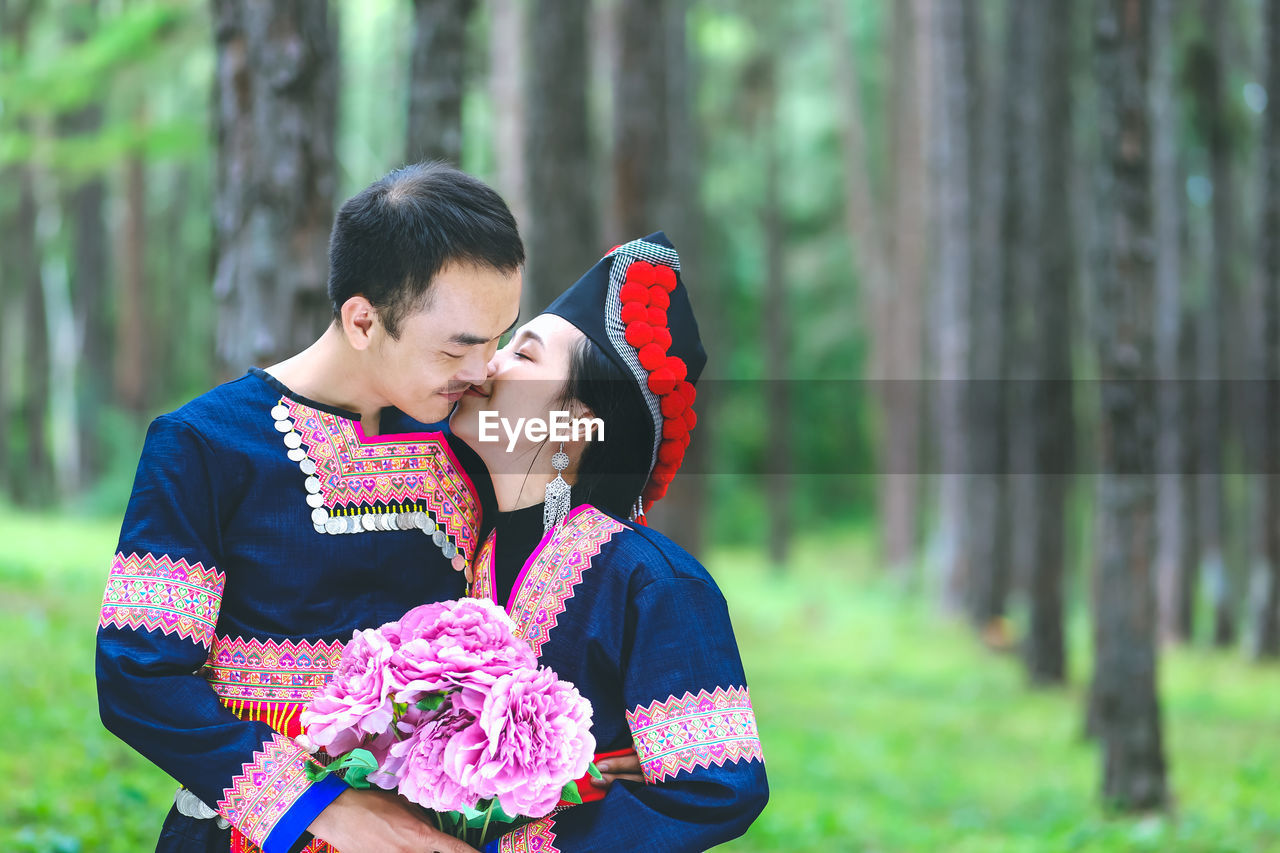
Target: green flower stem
{"type": "Point", "coordinates": [488, 813]}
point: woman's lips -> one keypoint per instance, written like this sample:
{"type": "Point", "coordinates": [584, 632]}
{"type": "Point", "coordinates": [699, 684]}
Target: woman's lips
{"type": "Point", "coordinates": [473, 391]}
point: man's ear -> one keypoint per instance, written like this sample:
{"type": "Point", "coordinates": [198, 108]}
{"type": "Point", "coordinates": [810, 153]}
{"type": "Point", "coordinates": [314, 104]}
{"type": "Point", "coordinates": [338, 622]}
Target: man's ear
{"type": "Point", "coordinates": [359, 318]}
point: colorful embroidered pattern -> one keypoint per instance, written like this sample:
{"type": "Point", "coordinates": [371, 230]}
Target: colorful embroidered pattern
{"type": "Point", "coordinates": [535, 837]}
{"type": "Point", "coordinates": [162, 594]}
{"type": "Point", "coordinates": [482, 571]}
{"type": "Point", "coordinates": [358, 476]}
{"type": "Point", "coordinates": [696, 731]}
{"type": "Point", "coordinates": [240, 844]}
{"type": "Point", "coordinates": [270, 681]}
{"type": "Point", "coordinates": [548, 583]}
{"type": "Point", "coordinates": [266, 788]}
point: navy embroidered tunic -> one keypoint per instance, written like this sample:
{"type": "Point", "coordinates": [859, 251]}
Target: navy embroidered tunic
{"type": "Point", "coordinates": [643, 632]}
{"type": "Point", "coordinates": [262, 530]}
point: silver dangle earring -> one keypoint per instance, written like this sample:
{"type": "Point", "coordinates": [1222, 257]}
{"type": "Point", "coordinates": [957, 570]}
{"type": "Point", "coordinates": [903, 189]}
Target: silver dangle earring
{"type": "Point", "coordinates": [556, 505]}
{"type": "Point", "coordinates": [637, 509]}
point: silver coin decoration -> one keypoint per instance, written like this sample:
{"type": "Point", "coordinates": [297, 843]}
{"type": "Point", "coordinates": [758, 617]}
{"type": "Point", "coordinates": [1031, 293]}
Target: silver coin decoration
{"type": "Point", "coordinates": [297, 454]}
{"type": "Point", "coordinates": [308, 467]}
{"type": "Point", "coordinates": [315, 500]}
{"type": "Point", "coordinates": [368, 522]}
{"type": "Point", "coordinates": [292, 439]}
{"type": "Point", "coordinates": [312, 485]}
{"type": "Point", "coordinates": [335, 525]}
{"type": "Point", "coordinates": [450, 550]}
{"type": "Point", "coordinates": [284, 426]}
{"type": "Point", "coordinates": [439, 538]}
{"type": "Point", "coordinates": [319, 516]}
{"type": "Point", "coordinates": [280, 411]}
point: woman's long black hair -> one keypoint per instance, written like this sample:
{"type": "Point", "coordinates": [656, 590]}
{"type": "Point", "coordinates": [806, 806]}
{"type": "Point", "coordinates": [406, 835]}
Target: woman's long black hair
{"type": "Point", "coordinates": [612, 472]}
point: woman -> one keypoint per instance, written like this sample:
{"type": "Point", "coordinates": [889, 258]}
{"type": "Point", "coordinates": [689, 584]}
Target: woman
{"type": "Point", "coordinates": [619, 610]}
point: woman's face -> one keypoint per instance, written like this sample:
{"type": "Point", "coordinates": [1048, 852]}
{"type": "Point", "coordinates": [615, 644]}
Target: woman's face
{"type": "Point", "coordinates": [525, 380]}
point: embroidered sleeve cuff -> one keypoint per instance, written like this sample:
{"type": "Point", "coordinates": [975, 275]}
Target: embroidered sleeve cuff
{"type": "Point", "coordinates": [536, 837]}
{"type": "Point", "coordinates": [159, 593]}
{"type": "Point", "coordinates": [262, 799]}
{"type": "Point", "coordinates": [682, 734]}
{"type": "Point", "coordinates": [294, 823]}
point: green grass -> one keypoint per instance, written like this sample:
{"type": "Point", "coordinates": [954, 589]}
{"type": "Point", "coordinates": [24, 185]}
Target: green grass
{"type": "Point", "coordinates": [885, 728]}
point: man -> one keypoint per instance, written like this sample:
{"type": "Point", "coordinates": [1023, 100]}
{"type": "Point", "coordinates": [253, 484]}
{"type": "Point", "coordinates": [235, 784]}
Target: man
{"type": "Point", "coordinates": [235, 582]}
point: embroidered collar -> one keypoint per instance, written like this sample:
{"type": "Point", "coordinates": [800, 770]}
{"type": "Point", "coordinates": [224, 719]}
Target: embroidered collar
{"type": "Point", "coordinates": [551, 574]}
{"type": "Point", "coordinates": [358, 484]}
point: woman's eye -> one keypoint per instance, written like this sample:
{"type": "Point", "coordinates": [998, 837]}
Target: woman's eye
{"type": "Point", "coordinates": [523, 356]}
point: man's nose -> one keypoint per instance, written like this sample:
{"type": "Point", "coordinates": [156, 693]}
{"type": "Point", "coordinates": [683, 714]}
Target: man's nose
{"type": "Point", "coordinates": [474, 369]}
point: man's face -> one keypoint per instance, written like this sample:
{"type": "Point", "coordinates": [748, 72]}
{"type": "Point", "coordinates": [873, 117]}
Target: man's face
{"type": "Point", "coordinates": [444, 347]}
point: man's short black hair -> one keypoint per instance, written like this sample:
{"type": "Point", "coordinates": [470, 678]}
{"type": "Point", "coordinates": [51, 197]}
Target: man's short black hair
{"type": "Point", "coordinates": [390, 240]}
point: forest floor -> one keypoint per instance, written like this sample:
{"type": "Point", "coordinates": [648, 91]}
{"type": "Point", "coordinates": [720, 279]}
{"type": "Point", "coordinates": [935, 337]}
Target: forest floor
{"type": "Point", "coordinates": [885, 727]}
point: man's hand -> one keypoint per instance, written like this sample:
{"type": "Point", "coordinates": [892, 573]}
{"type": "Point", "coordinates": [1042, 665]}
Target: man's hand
{"type": "Point", "coordinates": [619, 767]}
{"type": "Point", "coordinates": [380, 822]}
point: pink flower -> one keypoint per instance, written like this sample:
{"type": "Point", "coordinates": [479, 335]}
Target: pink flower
{"type": "Point", "coordinates": [422, 763]}
{"type": "Point", "coordinates": [455, 644]}
{"type": "Point", "coordinates": [533, 737]}
{"type": "Point", "coordinates": [358, 699]}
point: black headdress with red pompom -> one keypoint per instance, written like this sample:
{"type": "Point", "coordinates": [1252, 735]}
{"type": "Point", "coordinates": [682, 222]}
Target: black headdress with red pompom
{"type": "Point", "coordinates": [633, 305]}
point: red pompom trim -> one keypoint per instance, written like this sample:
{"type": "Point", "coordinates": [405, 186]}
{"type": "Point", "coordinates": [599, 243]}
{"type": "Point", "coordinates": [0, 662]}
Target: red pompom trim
{"type": "Point", "coordinates": [634, 291]}
{"type": "Point", "coordinates": [687, 392]}
{"type": "Point", "coordinates": [634, 312]}
{"type": "Point", "coordinates": [662, 382]}
{"type": "Point", "coordinates": [639, 334]}
{"type": "Point", "coordinates": [670, 453]}
{"type": "Point", "coordinates": [665, 277]}
{"type": "Point", "coordinates": [641, 271]}
{"type": "Point", "coordinates": [655, 491]}
{"type": "Point", "coordinates": [652, 357]}
{"type": "Point", "coordinates": [645, 298]}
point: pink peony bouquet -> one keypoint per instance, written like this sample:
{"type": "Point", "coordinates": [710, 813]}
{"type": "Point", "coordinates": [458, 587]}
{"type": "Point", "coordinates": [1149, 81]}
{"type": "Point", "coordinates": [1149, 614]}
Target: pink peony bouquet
{"type": "Point", "coordinates": [449, 708]}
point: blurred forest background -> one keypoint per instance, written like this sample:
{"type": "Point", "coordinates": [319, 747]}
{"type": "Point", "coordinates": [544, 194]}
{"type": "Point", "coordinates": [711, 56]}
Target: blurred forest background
{"type": "Point", "coordinates": [991, 290]}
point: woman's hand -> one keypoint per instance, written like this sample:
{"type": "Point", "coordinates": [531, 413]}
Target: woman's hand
{"type": "Point", "coordinates": [619, 767]}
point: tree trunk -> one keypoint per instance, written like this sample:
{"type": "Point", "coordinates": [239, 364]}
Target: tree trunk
{"type": "Point", "coordinates": [776, 330]}
{"type": "Point", "coordinates": [681, 515]}
{"type": "Point", "coordinates": [35, 486]}
{"type": "Point", "coordinates": [1265, 591]}
{"type": "Point", "coordinates": [85, 209]}
{"type": "Point", "coordinates": [133, 366]}
{"type": "Point", "coordinates": [274, 201]}
{"type": "Point", "coordinates": [640, 122]}
{"type": "Point", "coordinates": [437, 79]}
{"type": "Point", "coordinates": [990, 526]}
{"type": "Point", "coordinates": [1126, 709]}
{"type": "Point", "coordinates": [563, 238]}
{"type": "Point", "coordinates": [1222, 579]}
{"type": "Point", "coordinates": [1172, 500]}
{"type": "Point", "coordinates": [951, 302]}
{"type": "Point", "coordinates": [893, 298]}
{"type": "Point", "coordinates": [1052, 404]}
{"type": "Point", "coordinates": [507, 27]}
{"type": "Point", "coordinates": [902, 466]}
